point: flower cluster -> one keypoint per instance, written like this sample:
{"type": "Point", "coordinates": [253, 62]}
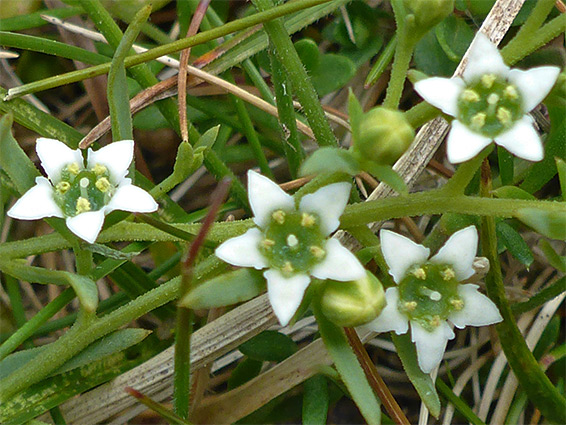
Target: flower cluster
{"type": "Point", "coordinates": [292, 243]}
{"type": "Point", "coordinates": [81, 194]}
{"type": "Point", "coordinates": [490, 102]}
{"type": "Point", "coordinates": [429, 294]}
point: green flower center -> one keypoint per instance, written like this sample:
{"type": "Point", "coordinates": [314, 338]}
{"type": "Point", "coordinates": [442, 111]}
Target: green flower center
{"type": "Point", "coordinates": [83, 190]}
{"type": "Point", "coordinates": [490, 105]}
{"type": "Point", "coordinates": [428, 294]}
{"type": "Point", "coordinates": [293, 242]}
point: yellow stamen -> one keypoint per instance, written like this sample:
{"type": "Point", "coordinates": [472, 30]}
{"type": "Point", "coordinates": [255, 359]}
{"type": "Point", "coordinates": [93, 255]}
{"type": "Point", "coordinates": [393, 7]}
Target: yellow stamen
{"type": "Point", "coordinates": [74, 168]}
{"type": "Point", "coordinates": [504, 115]}
{"type": "Point", "coordinates": [317, 251]}
{"type": "Point", "coordinates": [410, 305]}
{"type": "Point", "coordinates": [510, 92]}
{"type": "Point", "coordinates": [457, 303]}
{"type": "Point", "coordinates": [287, 268]}
{"type": "Point", "coordinates": [83, 205]}
{"type": "Point", "coordinates": [435, 321]}
{"type": "Point", "coordinates": [448, 274]}
{"type": "Point", "coordinates": [488, 79]}
{"type": "Point", "coordinates": [419, 273]}
{"type": "Point", "coordinates": [63, 186]}
{"type": "Point", "coordinates": [267, 243]}
{"type": "Point", "coordinates": [470, 95]}
{"type": "Point", "coordinates": [100, 169]}
{"type": "Point", "coordinates": [478, 120]}
{"type": "Point", "coordinates": [279, 216]}
{"type": "Point", "coordinates": [307, 220]}
{"type": "Point", "coordinates": [103, 184]}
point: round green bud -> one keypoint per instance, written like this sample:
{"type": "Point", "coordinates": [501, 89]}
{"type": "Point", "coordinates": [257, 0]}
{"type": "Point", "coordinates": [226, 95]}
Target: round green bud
{"type": "Point", "coordinates": [428, 13]}
{"type": "Point", "coordinates": [353, 303]}
{"type": "Point", "coordinates": [384, 136]}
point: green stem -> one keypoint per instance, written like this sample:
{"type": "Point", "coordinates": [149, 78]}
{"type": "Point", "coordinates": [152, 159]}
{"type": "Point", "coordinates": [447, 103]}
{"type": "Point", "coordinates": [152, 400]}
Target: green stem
{"type": "Point", "coordinates": [181, 379]}
{"type": "Point", "coordinates": [200, 38]}
{"type": "Point", "coordinates": [297, 76]}
{"type": "Point", "coordinates": [458, 403]}
{"type": "Point", "coordinates": [466, 172]}
{"type": "Point", "coordinates": [534, 382]}
{"type": "Point", "coordinates": [401, 62]}
{"type": "Point", "coordinates": [420, 114]}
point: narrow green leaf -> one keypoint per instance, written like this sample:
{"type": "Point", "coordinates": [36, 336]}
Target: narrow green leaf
{"type": "Point", "coordinates": [330, 160]}
{"type": "Point", "coordinates": [270, 346]}
{"type": "Point", "coordinates": [246, 370]}
{"type": "Point", "coordinates": [513, 192]}
{"type": "Point", "coordinates": [541, 297]}
{"type": "Point", "coordinates": [458, 403]}
{"type": "Point", "coordinates": [86, 290]}
{"type": "Point", "coordinates": [549, 224]}
{"type": "Point", "coordinates": [561, 167]}
{"type": "Point", "coordinates": [227, 289]}
{"type": "Point", "coordinates": [208, 138]}
{"type": "Point", "coordinates": [387, 175]}
{"type": "Point", "coordinates": [13, 159]}
{"type": "Point", "coordinates": [349, 368]}
{"type": "Point", "coordinates": [108, 252]}
{"type": "Point", "coordinates": [514, 243]}
{"type": "Point", "coordinates": [34, 20]}
{"type": "Point", "coordinates": [555, 260]}
{"type": "Point", "coordinates": [315, 400]}
{"type": "Point", "coordinates": [118, 99]}
{"type": "Point", "coordinates": [355, 113]}
{"type": "Point", "coordinates": [420, 380]}
{"type": "Point", "coordinates": [506, 165]}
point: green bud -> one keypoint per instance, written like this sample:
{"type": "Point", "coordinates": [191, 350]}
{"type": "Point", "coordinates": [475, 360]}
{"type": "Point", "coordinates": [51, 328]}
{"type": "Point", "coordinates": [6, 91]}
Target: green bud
{"type": "Point", "coordinates": [428, 13]}
{"type": "Point", "coordinates": [384, 135]}
{"type": "Point", "coordinates": [353, 303]}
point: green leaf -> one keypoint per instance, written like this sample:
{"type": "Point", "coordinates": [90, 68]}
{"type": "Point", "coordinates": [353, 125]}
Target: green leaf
{"type": "Point", "coordinates": [334, 72]}
{"type": "Point", "coordinates": [230, 288]}
{"type": "Point", "coordinates": [513, 192]}
{"type": "Point", "coordinates": [555, 260]}
{"type": "Point", "coordinates": [387, 175]}
{"type": "Point", "coordinates": [349, 368]}
{"type": "Point", "coordinates": [108, 252]}
{"type": "Point", "coordinates": [246, 370]}
{"type": "Point", "coordinates": [548, 223]}
{"type": "Point", "coordinates": [420, 380]}
{"type": "Point", "coordinates": [86, 290]}
{"type": "Point", "coordinates": [355, 113]}
{"type": "Point", "coordinates": [315, 400]}
{"type": "Point", "coordinates": [561, 167]}
{"type": "Point", "coordinates": [309, 54]}
{"type": "Point", "coordinates": [269, 346]}
{"type": "Point", "coordinates": [330, 160]}
{"type": "Point", "coordinates": [208, 138]}
{"type": "Point", "coordinates": [118, 98]}
{"type": "Point", "coordinates": [13, 159]}
{"type": "Point", "coordinates": [514, 243]}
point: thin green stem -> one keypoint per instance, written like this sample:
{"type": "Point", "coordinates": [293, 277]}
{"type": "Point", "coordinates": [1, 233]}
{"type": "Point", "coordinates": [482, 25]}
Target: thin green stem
{"type": "Point", "coordinates": [466, 172]}
{"type": "Point", "coordinates": [420, 114]}
{"type": "Point", "coordinates": [182, 359]}
{"type": "Point", "coordinates": [200, 38]}
{"type": "Point", "coordinates": [542, 393]}
{"type": "Point", "coordinates": [297, 76]}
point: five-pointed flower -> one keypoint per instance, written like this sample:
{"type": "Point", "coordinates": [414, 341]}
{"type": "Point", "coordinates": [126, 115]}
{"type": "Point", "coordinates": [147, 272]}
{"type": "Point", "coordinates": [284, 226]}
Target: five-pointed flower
{"type": "Point", "coordinates": [429, 293]}
{"type": "Point", "coordinates": [490, 102]}
{"type": "Point", "coordinates": [82, 195]}
{"type": "Point", "coordinates": [292, 242]}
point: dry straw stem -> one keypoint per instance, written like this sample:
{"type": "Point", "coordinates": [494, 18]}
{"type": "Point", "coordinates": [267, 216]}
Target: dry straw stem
{"type": "Point", "coordinates": [154, 377]}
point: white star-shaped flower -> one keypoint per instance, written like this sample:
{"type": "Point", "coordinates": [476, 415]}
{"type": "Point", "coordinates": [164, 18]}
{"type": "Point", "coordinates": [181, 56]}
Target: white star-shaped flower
{"type": "Point", "coordinates": [490, 102]}
{"type": "Point", "coordinates": [292, 243]}
{"type": "Point", "coordinates": [83, 195]}
{"type": "Point", "coordinates": [429, 295]}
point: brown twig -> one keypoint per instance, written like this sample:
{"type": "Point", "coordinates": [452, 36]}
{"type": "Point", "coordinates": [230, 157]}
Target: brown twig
{"type": "Point", "coordinates": [375, 380]}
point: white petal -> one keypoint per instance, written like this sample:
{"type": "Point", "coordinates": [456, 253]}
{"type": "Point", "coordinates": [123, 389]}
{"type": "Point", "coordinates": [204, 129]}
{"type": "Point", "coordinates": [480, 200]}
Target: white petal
{"type": "Point", "coordinates": [478, 309]}
{"type": "Point", "coordinates": [54, 155]}
{"type": "Point", "coordinates": [534, 84]}
{"type": "Point", "coordinates": [390, 319]}
{"type": "Point", "coordinates": [339, 264]}
{"type": "Point", "coordinates": [86, 225]}
{"type": "Point", "coordinates": [132, 198]}
{"type": "Point", "coordinates": [463, 144]}
{"type": "Point", "coordinates": [430, 345]}
{"type": "Point", "coordinates": [329, 203]}
{"type": "Point", "coordinates": [522, 140]}
{"type": "Point", "coordinates": [243, 250]}
{"type": "Point", "coordinates": [401, 253]}
{"type": "Point", "coordinates": [265, 197]}
{"type": "Point", "coordinates": [459, 251]}
{"type": "Point", "coordinates": [285, 294]}
{"type": "Point", "coordinates": [441, 92]}
{"type": "Point", "coordinates": [484, 58]}
{"type": "Point", "coordinates": [36, 203]}
{"type": "Point", "coordinates": [116, 156]}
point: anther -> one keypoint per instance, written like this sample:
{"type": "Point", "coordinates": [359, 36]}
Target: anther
{"type": "Point", "coordinates": [279, 216]}
{"type": "Point", "coordinates": [287, 268]}
{"type": "Point", "coordinates": [102, 184]}
{"type": "Point", "coordinates": [470, 95]}
{"type": "Point", "coordinates": [267, 243]}
{"type": "Point", "coordinates": [410, 305]}
{"type": "Point", "coordinates": [435, 321]}
{"type": "Point", "coordinates": [292, 241]}
{"type": "Point", "coordinates": [504, 115]}
{"type": "Point", "coordinates": [478, 120]}
{"type": "Point", "coordinates": [307, 220]}
{"type": "Point", "coordinates": [510, 92]}
{"type": "Point", "coordinates": [317, 251]}
{"type": "Point", "coordinates": [448, 274]}
{"type": "Point", "coordinates": [74, 168]}
{"type": "Point", "coordinates": [492, 99]}
{"type": "Point", "coordinates": [63, 187]}
{"type": "Point", "coordinates": [488, 79]}
{"type": "Point", "coordinates": [83, 205]}
{"type": "Point", "coordinates": [457, 303]}
{"type": "Point", "coordinates": [419, 273]}
{"type": "Point", "coordinates": [100, 169]}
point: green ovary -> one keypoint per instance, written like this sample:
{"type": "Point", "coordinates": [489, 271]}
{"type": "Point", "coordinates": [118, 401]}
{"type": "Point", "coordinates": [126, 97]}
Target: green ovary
{"type": "Point", "coordinates": [490, 105]}
{"type": "Point", "coordinates": [83, 190]}
{"type": "Point", "coordinates": [428, 294]}
{"type": "Point", "coordinates": [293, 242]}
